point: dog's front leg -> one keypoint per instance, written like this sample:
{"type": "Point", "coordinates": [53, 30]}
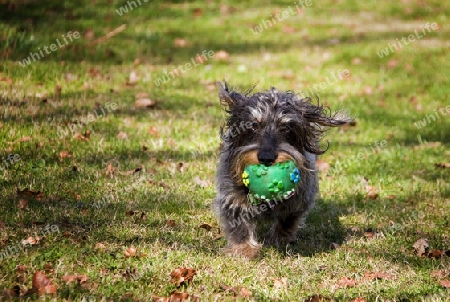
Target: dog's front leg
{"type": "Point", "coordinates": [240, 232]}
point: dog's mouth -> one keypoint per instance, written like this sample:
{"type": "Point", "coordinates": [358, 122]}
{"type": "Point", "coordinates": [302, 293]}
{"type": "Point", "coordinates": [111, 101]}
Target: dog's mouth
{"type": "Point", "coordinates": [250, 157]}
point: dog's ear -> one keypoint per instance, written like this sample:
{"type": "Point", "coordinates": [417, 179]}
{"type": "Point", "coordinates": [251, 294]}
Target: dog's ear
{"type": "Point", "coordinates": [323, 117]}
{"type": "Point", "coordinates": [227, 99]}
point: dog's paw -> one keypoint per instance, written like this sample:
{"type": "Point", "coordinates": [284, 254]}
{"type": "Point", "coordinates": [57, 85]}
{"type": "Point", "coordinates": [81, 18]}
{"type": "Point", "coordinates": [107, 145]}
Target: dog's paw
{"type": "Point", "coordinates": [247, 250]}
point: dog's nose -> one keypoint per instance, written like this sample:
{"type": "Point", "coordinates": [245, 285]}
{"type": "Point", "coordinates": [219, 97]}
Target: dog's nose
{"type": "Point", "coordinates": [266, 157]}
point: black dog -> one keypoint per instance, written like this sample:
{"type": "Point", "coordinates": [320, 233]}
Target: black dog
{"type": "Point", "coordinates": [266, 128]}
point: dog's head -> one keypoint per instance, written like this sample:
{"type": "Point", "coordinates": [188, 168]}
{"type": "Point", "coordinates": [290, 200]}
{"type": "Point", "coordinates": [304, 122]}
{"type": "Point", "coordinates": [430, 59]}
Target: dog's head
{"type": "Point", "coordinates": [270, 127]}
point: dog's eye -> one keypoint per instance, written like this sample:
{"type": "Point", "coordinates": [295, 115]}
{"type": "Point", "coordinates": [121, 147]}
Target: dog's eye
{"type": "Point", "coordinates": [284, 129]}
{"type": "Point", "coordinates": [255, 126]}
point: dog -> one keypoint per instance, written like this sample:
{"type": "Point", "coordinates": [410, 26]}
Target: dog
{"type": "Point", "coordinates": [267, 128]}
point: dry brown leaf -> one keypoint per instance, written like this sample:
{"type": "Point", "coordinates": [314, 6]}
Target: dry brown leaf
{"type": "Point", "coordinates": [221, 55]}
{"type": "Point", "coordinates": [280, 283]}
{"type": "Point", "coordinates": [445, 283]}
{"type": "Point", "coordinates": [180, 42]}
{"type": "Point", "coordinates": [322, 166]}
{"type": "Point", "coordinates": [2, 225]}
{"type": "Point", "coordinates": [110, 170]}
{"type": "Point", "coordinates": [346, 282]}
{"type": "Point", "coordinates": [142, 95]}
{"type": "Point", "coordinates": [207, 227]}
{"type": "Point", "coordinates": [443, 165]}
{"type": "Point", "coordinates": [76, 277]}
{"type": "Point", "coordinates": [130, 252]}
{"type": "Point", "coordinates": [202, 183]}
{"type": "Point", "coordinates": [435, 254]}
{"type": "Point", "coordinates": [135, 170]}
{"type": "Point", "coordinates": [369, 233]}
{"type": "Point", "coordinates": [22, 203]}
{"type": "Point", "coordinates": [392, 63]}
{"type": "Point", "coordinates": [146, 102]}
{"type": "Point", "coordinates": [421, 247]}
{"type": "Point", "coordinates": [359, 299]}
{"type": "Point", "coordinates": [317, 298]}
{"type": "Point", "coordinates": [245, 292]}
{"type": "Point", "coordinates": [100, 246]}
{"type": "Point", "coordinates": [42, 283]}
{"type": "Point", "coordinates": [370, 276]}
{"type": "Point", "coordinates": [24, 139]}
{"type": "Point", "coordinates": [153, 131]}
{"type": "Point", "coordinates": [31, 240]}
{"type": "Point", "coordinates": [133, 79]}
{"type": "Point", "coordinates": [371, 192]}
{"type": "Point", "coordinates": [174, 297]}
{"type": "Point", "coordinates": [182, 275]}
{"type": "Point", "coordinates": [438, 274]}
{"type": "Point", "coordinates": [171, 223]}
{"type": "Point", "coordinates": [122, 135]}
{"type": "Point", "coordinates": [64, 154]}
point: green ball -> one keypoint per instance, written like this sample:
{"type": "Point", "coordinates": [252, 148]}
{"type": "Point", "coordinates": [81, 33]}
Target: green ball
{"type": "Point", "coordinates": [278, 181]}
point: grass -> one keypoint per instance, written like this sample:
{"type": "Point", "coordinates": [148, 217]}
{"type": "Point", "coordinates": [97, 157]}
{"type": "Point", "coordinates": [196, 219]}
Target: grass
{"type": "Point", "coordinates": [180, 134]}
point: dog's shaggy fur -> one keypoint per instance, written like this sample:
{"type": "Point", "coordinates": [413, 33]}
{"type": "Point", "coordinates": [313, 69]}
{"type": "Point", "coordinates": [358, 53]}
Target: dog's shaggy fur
{"type": "Point", "coordinates": [267, 127]}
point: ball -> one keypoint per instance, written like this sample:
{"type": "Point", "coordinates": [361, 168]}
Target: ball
{"type": "Point", "coordinates": [266, 183]}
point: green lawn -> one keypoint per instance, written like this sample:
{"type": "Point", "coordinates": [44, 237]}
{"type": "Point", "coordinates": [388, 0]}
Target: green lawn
{"type": "Point", "coordinates": [112, 175]}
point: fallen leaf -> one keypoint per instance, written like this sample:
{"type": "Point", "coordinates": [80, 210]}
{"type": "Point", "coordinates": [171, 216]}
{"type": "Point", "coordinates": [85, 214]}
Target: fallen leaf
{"type": "Point", "coordinates": [443, 165]}
{"type": "Point", "coordinates": [42, 283]}
{"type": "Point", "coordinates": [359, 299]}
{"type": "Point", "coordinates": [421, 247]}
{"type": "Point", "coordinates": [122, 135]}
{"type": "Point", "coordinates": [22, 203]}
{"type": "Point", "coordinates": [392, 63]}
{"type": "Point", "coordinates": [317, 298]}
{"type": "Point", "coordinates": [370, 276]}
{"type": "Point", "coordinates": [174, 297]}
{"type": "Point", "coordinates": [130, 252]}
{"type": "Point", "coordinates": [144, 103]}
{"type": "Point", "coordinates": [110, 170]}
{"type": "Point", "coordinates": [369, 233]}
{"type": "Point", "coordinates": [133, 79]}
{"type": "Point", "coordinates": [182, 275]}
{"type": "Point", "coordinates": [346, 282]}
{"type": "Point", "coordinates": [280, 283]}
{"type": "Point", "coordinates": [288, 29]}
{"type": "Point", "coordinates": [76, 277]}
{"type": "Point", "coordinates": [438, 274]}
{"type": "Point", "coordinates": [445, 283]}
{"type": "Point", "coordinates": [28, 192]}
{"type": "Point", "coordinates": [245, 292]}
{"type": "Point", "coordinates": [135, 170]}
{"type": "Point", "coordinates": [221, 55]}
{"type": "Point", "coordinates": [153, 131]}
{"type": "Point", "coordinates": [201, 182]}
{"type": "Point", "coordinates": [371, 192]}
{"type": "Point", "coordinates": [64, 154]}
{"type": "Point", "coordinates": [171, 223]}
{"type": "Point", "coordinates": [31, 240]}
{"type": "Point", "coordinates": [200, 59]}
{"type": "Point", "coordinates": [207, 227]}
{"type": "Point", "coordinates": [2, 225]}
{"type": "Point", "coordinates": [89, 34]}
{"type": "Point", "coordinates": [356, 61]}
{"type": "Point", "coordinates": [99, 245]}
{"type": "Point", "coordinates": [178, 42]}
{"type": "Point", "coordinates": [435, 254]}
{"type": "Point", "coordinates": [322, 166]}
{"type": "Point", "coordinates": [24, 139]}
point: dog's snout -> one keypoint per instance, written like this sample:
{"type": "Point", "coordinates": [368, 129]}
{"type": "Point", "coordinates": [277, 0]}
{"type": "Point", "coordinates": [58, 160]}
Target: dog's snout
{"type": "Point", "coordinates": [266, 157]}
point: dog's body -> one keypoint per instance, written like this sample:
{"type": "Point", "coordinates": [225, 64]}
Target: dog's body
{"type": "Point", "coordinates": [266, 128]}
